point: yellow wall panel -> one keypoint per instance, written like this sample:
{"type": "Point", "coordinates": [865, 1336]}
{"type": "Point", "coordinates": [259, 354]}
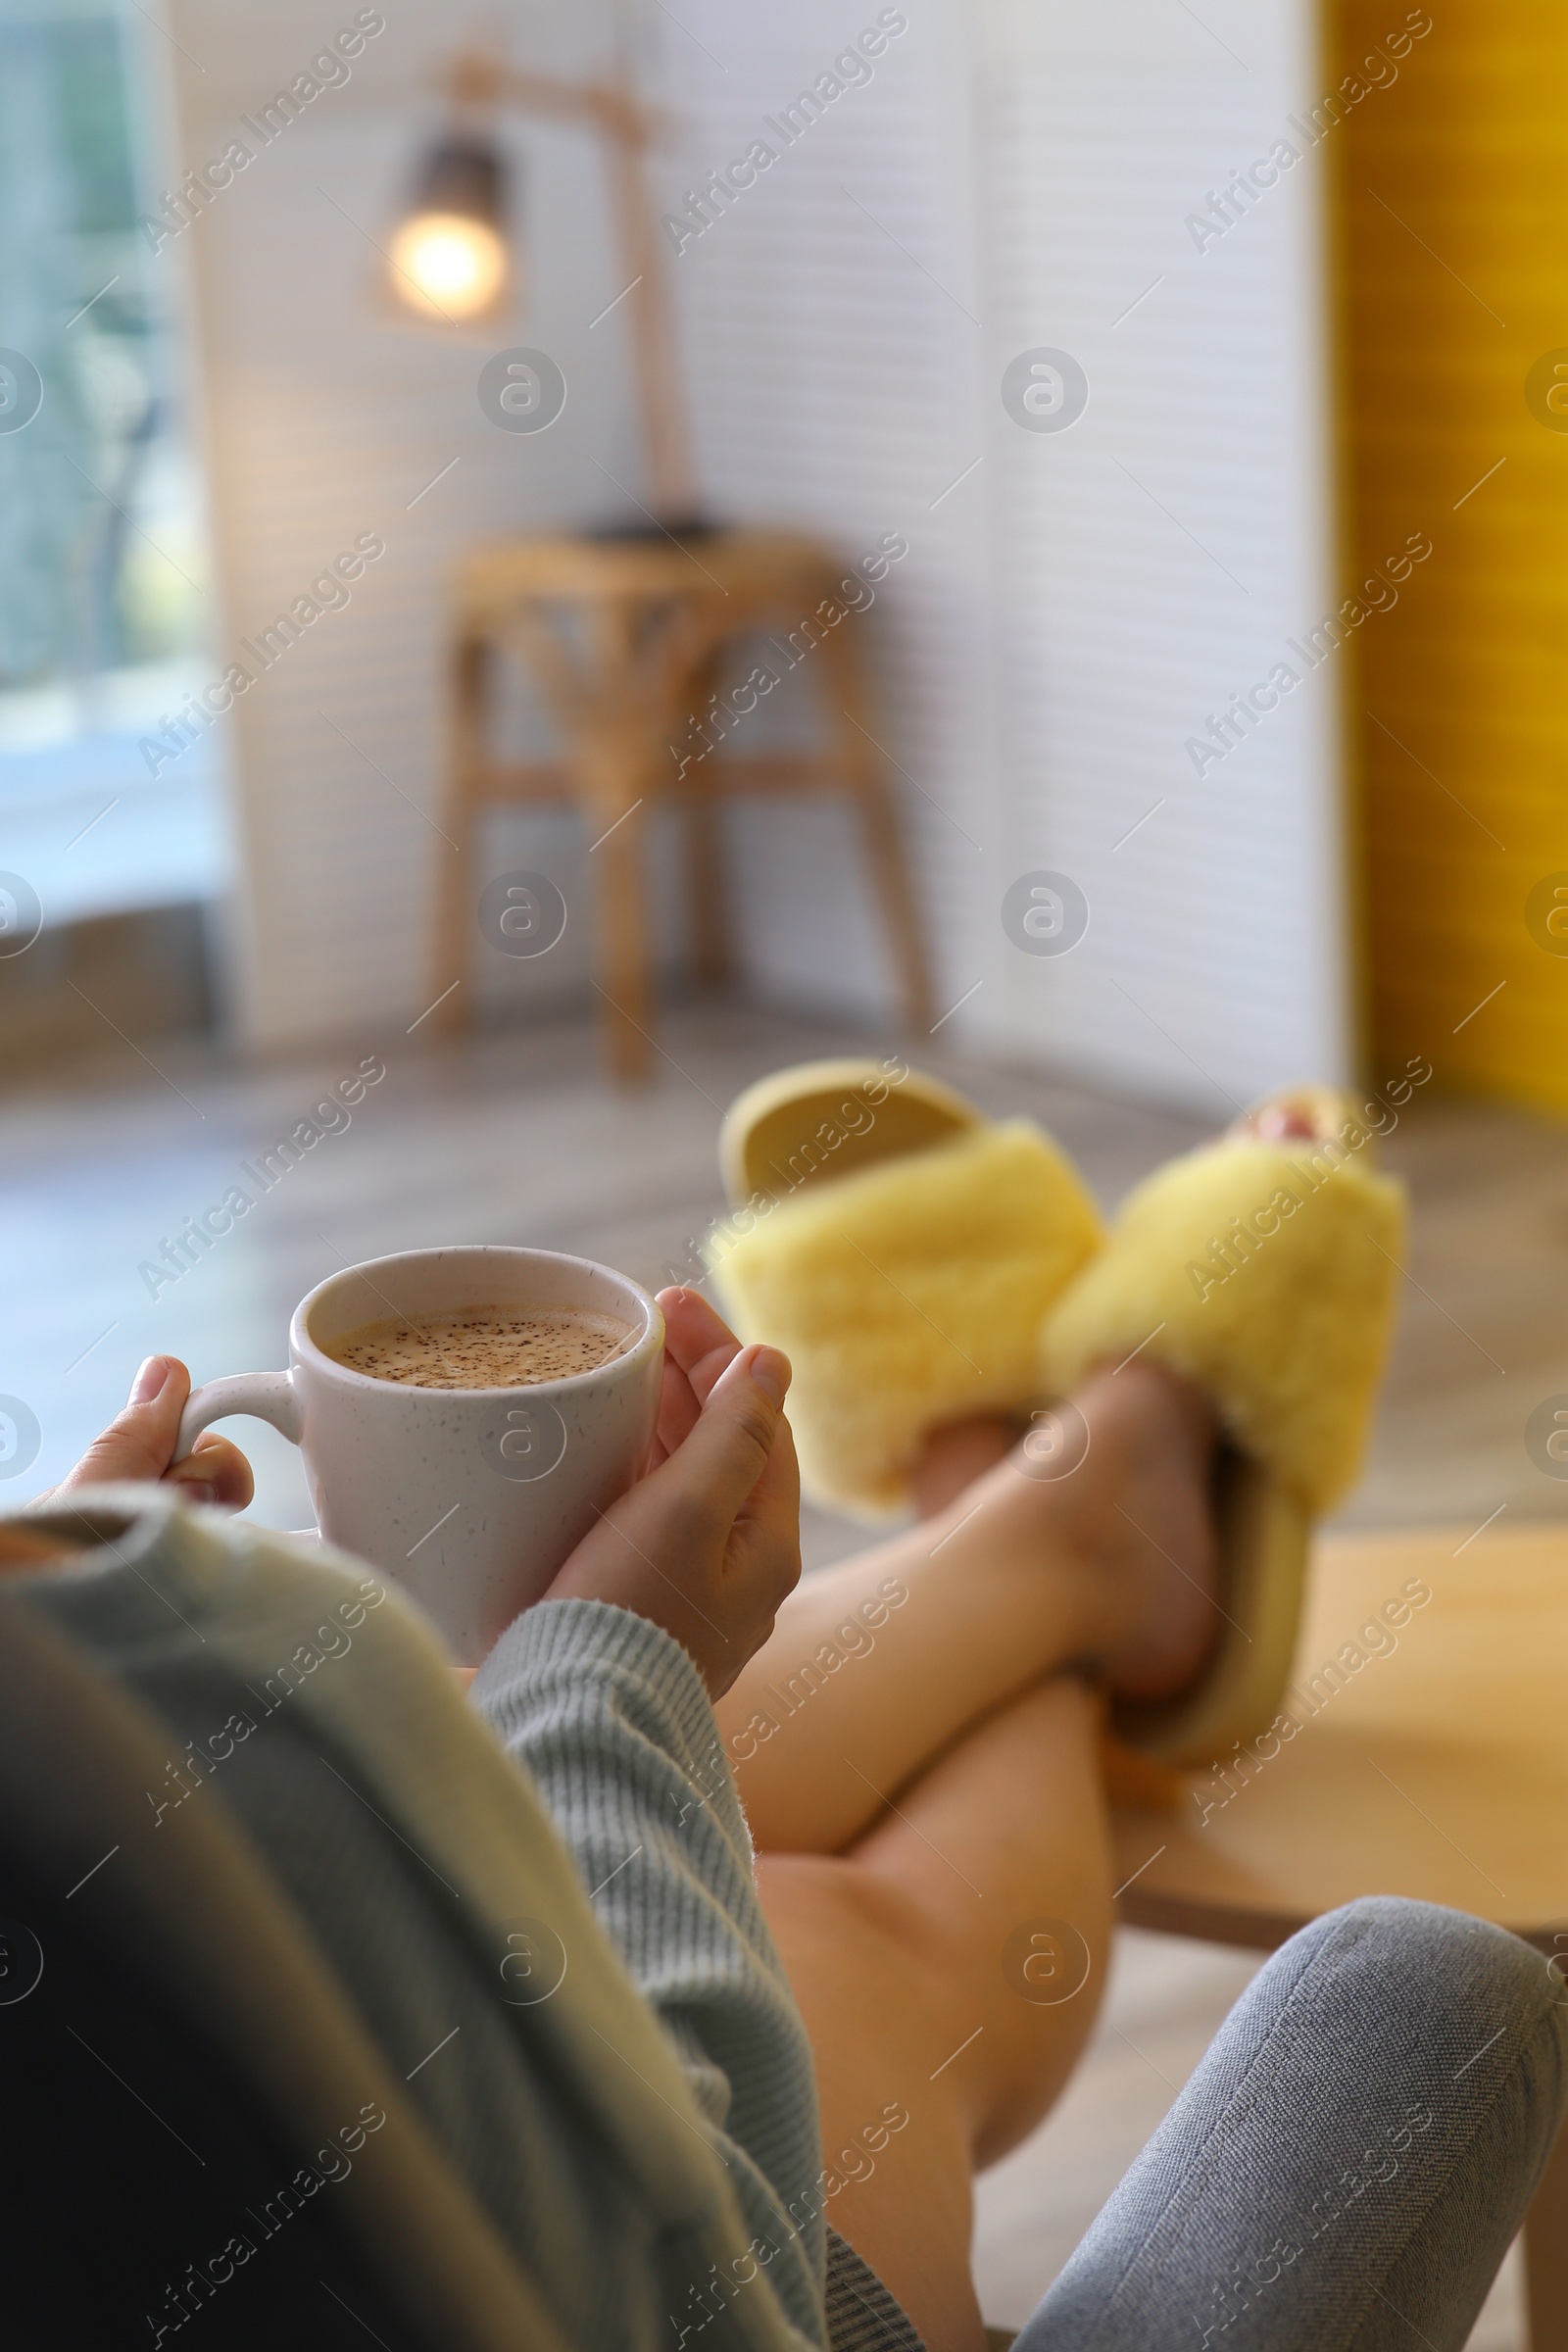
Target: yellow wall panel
{"type": "Point", "coordinates": [1451, 190]}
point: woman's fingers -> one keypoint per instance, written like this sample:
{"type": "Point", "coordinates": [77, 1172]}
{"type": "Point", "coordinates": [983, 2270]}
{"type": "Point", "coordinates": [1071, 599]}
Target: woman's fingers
{"type": "Point", "coordinates": [698, 1346]}
{"type": "Point", "coordinates": [698, 1337]}
{"type": "Point", "coordinates": [213, 1471]}
{"type": "Point", "coordinates": [729, 1453]}
{"type": "Point", "coordinates": [692, 1326]}
{"type": "Point", "coordinates": [139, 1444]}
{"type": "Point", "coordinates": [139, 1441]}
{"type": "Point", "coordinates": [679, 1410]}
{"type": "Point", "coordinates": [774, 1506]}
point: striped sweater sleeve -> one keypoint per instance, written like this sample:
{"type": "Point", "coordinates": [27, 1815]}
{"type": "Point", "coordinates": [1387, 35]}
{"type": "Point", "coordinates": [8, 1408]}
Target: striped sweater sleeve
{"type": "Point", "coordinates": [610, 1717]}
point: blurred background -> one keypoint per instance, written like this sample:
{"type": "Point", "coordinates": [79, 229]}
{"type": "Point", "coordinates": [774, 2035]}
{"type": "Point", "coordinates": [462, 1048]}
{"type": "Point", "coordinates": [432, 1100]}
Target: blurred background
{"type": "Point", "coordinates": [566, 558]}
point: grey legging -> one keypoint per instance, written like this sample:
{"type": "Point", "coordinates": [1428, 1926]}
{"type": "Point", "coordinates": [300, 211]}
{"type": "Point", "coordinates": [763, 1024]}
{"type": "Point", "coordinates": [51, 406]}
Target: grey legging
{"type": "Point", "coordinates": [1348, 2164]}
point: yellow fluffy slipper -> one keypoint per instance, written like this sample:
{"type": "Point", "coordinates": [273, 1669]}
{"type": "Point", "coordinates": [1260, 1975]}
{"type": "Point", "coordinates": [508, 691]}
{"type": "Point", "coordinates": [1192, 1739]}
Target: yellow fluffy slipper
{"type": "Point", "coordinates": [1262, 1268]}
{"type": "Point", "coordinates": [902, 1250]}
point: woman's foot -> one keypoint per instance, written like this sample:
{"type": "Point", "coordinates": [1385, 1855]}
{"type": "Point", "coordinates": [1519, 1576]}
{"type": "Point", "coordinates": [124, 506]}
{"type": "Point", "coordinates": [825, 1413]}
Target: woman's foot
{"type": "Point", "coordinates": [1153, 1444]}
{"type": "Point", "coordinates": [1145, 1525]}
{"type": "Point", "coordinates": [1134, 1518]}
{"type": "Point", "coordinates": [1296, 1114]}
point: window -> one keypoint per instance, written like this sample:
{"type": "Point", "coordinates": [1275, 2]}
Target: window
{"type": "Point", "coordinates": [105, 596]}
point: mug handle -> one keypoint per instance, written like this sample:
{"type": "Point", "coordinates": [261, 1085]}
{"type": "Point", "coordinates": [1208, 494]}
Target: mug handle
{"type": "Point", "coordinates": [264, 1395]}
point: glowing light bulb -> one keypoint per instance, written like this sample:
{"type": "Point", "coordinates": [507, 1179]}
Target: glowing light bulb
{"type": "Point", "coordinates": [448, 264]}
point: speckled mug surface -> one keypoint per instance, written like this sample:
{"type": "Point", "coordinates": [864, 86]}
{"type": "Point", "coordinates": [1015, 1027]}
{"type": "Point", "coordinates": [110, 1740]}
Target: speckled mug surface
{"type": "Point", "coordinates": [470, 1498]}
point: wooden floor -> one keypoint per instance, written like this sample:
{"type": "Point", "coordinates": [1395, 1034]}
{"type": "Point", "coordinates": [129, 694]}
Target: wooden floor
{"type": "Point", "coordinates": [516, 1138]}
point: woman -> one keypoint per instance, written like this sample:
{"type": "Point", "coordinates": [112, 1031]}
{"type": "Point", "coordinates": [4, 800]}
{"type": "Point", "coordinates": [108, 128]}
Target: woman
{"type": "Point", "coordinates": [919, 1806]}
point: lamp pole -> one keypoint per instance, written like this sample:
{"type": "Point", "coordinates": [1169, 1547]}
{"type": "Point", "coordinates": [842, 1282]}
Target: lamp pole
{"type": "Point", "coordinates": [627, 126]}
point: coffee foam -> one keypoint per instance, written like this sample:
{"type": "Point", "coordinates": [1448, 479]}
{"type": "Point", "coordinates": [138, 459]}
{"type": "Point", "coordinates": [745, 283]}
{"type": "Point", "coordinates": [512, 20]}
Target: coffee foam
{"type": "Point", "coordinates": [481, 1347]}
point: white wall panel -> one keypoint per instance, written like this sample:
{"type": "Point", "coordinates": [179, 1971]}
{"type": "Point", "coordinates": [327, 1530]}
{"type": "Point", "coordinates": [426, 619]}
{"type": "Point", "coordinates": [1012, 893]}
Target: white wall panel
{"type": "Point", "coordinates": [1156, 559]}
{"type": "Point", "coordinates": [1073, 610]}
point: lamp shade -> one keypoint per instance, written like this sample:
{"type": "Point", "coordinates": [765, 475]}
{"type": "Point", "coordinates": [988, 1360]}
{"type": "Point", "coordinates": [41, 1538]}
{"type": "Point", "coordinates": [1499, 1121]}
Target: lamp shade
{"type": "Point", "coordinates": [449, 255]}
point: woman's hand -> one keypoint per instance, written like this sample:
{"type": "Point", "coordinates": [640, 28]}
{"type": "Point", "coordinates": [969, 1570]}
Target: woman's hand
{"type": "Point", "coordinates": [708, 1542]}
{"type": "Point", "coordinates": [139, 1444]}
{"type": "Point", "coordinates": [706, 1545]}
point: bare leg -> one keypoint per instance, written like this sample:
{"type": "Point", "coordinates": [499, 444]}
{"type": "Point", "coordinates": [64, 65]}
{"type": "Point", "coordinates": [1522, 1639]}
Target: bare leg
{"type": "Point", "coordinates": [955, 1455]}
{"type": "Point", "coordinates": [893, 1921]}
{"type": "Point", "coordinates": [896, 1953]}
{"type": "Point", "coordinates": [877, 1666]}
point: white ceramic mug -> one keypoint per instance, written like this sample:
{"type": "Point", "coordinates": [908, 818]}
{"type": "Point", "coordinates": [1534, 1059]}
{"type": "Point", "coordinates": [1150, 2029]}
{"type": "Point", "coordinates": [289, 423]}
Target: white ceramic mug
{"type": "Point", "coordinates": [470, 1498]}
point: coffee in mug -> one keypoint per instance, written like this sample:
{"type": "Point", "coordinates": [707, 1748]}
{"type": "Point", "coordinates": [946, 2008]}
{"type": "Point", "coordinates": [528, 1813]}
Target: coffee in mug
{"type": "Point", "coordinates": [466, 1415]}
{"type": "Point", "coordinates": [483, 1348]}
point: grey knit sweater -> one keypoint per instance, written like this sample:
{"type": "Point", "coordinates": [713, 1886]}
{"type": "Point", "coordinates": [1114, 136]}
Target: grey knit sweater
{"type": "Point", "coordinates": [655, 2180]}
{"type": "Point", "coordinates": [610, 1717]}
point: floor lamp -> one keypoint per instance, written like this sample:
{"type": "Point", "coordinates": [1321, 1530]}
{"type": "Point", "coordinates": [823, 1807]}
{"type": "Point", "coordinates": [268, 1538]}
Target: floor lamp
{"type": "Point", "coordinates": [449, 256]}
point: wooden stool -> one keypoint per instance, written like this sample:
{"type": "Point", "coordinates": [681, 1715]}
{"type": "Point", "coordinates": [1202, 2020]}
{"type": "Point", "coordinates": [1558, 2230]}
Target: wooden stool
{"type": "Point", "coordinates": [623, 639]}
{"type": "Point", "coordinates": [1439, 1770]}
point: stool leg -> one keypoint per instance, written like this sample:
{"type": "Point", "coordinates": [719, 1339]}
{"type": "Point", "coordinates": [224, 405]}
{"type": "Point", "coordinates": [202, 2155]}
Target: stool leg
{"type": "Point", "coordinates": [456, 894]}
{"type": "Point", "coordinates": [1546, 2251]}
{"type": "Point", "coordinates": [685, 686]}
{"type": "Point", "coordinates": [612, 762]}
{"type": "Point", "coordinates": [885, 850]}
{"type": "Point", "coordinates": [851, 724]}
{"type": "Point", "coordinates": [623, 941]}
{"type": "Point", "coordinates": [706, 895]}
